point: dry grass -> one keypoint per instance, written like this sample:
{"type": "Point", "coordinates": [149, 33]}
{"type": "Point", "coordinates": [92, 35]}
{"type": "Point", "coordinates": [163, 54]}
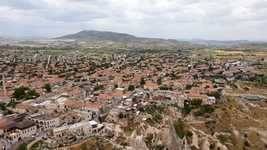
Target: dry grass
{"type": "Point", "coordinates": [254, 89]}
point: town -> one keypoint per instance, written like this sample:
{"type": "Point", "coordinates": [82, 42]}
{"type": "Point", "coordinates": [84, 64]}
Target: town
{"type": "Point", "coordinates": [183, 99]}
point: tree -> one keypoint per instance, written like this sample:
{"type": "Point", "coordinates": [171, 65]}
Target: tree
{"type": "Point", "coordinates": [159, 81]}
{"type": "Point", "coordinates": [261, 80]}
{"type": "Point", "coordinates": [47, 87]}
{"type": "Point", "coordinates": [142, 82]}
{"type": "Point", "coordinates": [131, 88]}
{"type": "Point", "coordinates": [181, 129]}
{"type": "Point", "coordinates": [116, 86]}
{"type": "Point", "coordinates": [19, 92]}
{"type": "Point", "coordinates": [24, 93]}
{"type": "Point", "coordinates": [32, 94]}
{"type": "Point", "coordinates": [12, 103]}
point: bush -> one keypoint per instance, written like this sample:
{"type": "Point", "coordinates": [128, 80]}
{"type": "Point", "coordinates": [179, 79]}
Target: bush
{"type": "Point", "coordinates": [24, 93]}
{"type": "Point", "coordinates": [22, 146]}
{"type": "Point", "coordinates": [181, 129]}
{"type": "Point", "coordinates": [223, 139]}
{"type": "Point", "coordinates": [47, 87]}
{"type": "Point", "coordinates": [196, 102]}
{"type": "Point", "coordinates": [142, 82]}
{"type": "Point", "coordinates": [155, 111]}
{"type": "Point", "coordinates": [189, 106]}
{"type": "Point", "coordinates": [204, 110]}
{"type": "Point", "coordinates": [261, 80]}
{"type": "Point", "coordinates": [131, 88]}
{"type": "Point", "coordinates": [98, 88]}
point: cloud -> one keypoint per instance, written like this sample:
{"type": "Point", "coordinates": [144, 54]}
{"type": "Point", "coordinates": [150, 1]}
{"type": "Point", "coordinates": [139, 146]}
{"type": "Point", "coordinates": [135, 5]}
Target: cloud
{"type": "Point", "coordinates": [221, 19]}
{"type": "Point", "coordinates": [22, 4]}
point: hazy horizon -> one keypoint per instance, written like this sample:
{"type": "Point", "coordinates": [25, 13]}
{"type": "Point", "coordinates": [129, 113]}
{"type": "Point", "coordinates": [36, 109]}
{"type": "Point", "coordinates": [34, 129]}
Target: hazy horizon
{"type": "Point", "coordinates": [170, 19]}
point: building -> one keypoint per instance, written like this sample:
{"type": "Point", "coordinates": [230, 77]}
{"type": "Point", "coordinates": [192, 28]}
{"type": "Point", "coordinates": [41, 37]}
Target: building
{"type": "Point", "coordinates": [20, 130]}
{"type": "Point", "coordinates": [45, 121]}
{"type": "Point", "coordinates": [85, 128]}
{"type": "Point", "coordinates": [16, 128]}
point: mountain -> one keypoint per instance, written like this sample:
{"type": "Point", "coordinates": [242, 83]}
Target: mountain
{"type": "Point", "coordinates": [122, 40]}
{"type": "Point", "coordinates": [100, 36]}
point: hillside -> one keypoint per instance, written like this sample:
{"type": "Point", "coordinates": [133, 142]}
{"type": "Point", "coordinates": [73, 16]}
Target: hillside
{"type": "Point", "coordinates": [123, 40]}
{"type": "Point", "coordinates": [100, 36]}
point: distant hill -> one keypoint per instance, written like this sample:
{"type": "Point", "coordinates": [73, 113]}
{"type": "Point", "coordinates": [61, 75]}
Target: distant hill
{"type": "Point", "coordinates": [113, 39]}
{"type": "Point", "coordinates": [100, 36]}
{"type": "Point", "coordinates": [237, 44]}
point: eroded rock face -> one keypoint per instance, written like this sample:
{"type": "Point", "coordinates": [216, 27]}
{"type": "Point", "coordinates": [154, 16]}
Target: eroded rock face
{"type": "Point", "coordinates": [139, 143]}
{"type": "Point", "coordinates": [205, 145]}
{"type": "Point", "coordinates": [221, 146]}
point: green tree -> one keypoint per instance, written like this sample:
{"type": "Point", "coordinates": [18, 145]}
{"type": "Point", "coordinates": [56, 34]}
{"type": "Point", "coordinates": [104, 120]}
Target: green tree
{"type": "Point", "coordinates": [131, 88]}
{"type": "Point", "coordinates": [24, 93]}
{"type": "Point", "coordinates": [20, 92]}
{"type": "Point", "coordinates": [31, 94]}
{"type": "Point", "coordinates": [179, 127]}
{"type": "Point", "coordinates": [159, 81]}
{"type": "Point", "coordinates": [142, 81]}
{"type": "Point", "coordinates": [47, 87]}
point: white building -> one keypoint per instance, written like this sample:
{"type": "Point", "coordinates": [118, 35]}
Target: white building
{"type": "Point", "coordinates": [85, 128]}
{"type": "Point", "coordinates": [45, 121]}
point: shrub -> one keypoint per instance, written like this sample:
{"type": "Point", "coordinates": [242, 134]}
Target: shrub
{"type": "Point", "coordinates": [47, 87]}
{"type": "Point", "coordinates": [181, 129]}
{"type": "Point", "coordinates": [25, 93]}
{"type": "Point", "coordinates": [131, 88]}
{"type": "Point", "coordinates": [204, 110]}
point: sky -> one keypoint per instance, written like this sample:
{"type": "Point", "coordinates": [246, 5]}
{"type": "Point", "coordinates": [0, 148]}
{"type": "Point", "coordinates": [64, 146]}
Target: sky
{"type": "Point", "coordinates": [175, 19]}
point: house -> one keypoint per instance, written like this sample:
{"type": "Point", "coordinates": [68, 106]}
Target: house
{"type": "Point", "coordinates": [168, 97]}
{"type": "Point", "coordinates": [86, 128]}
{"type": "Point", "coordinates": [20, 130]}
{"type": "Point", "coordinates": [234, 64]}
{"type": "Point", "coordinates": [72, 104]}
{"type": "Point", "coordinates": [151, 86]}
{"type": "Point", "coordinates": [197, 96]}
{"type": "Point", "coordinates": [22, 108]}
{"type": "Point", "coordinates": [45, 121]}
{"type": "Point", "coordinates": [211, 100]}
{"type": "Point", "coordinates": [94, 109]}
{"type": "Point", "coordinates": [17, 127]}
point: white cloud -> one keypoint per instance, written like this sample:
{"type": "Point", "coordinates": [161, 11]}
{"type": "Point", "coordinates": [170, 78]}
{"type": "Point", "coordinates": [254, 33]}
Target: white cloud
{"type": "Point", "coordinates": [221, 19]}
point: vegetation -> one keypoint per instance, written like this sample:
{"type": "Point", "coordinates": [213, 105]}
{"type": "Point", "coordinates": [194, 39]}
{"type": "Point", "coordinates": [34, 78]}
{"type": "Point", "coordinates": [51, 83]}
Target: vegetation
{"type": "Point", "coordinates": [47, 87]}
{"type": "Point", "coordinates": [151, 145]}
{"type": "Point", "coordinates": [25, 93]}
{"type": "Point", "coordinates": [95, 143]}
{"type": "Point", "coordinates": [3, 107]}
{"type": "Point", "coordinates": [155, 111]}
{"type": "Point", "coordinates": [37, 146]}
{"type": "Point", "coordinates": [98, 87]}
{"type": "Point", "coordinates": [190, 105]}
{"type": "Point", "coordinates": [204, 110]}
{"type": "Point", "coordinates": [223, 138]}
{"type": "Point", "coordinates": [142, 82]}
{"type": "Point", "coordinates": [181, 129]}
{"type": "Point", "coordinates": [200, 110]}
{"type": "Point", "coordinates": [159, 81]}
{"type": "Point", "coordinates": [22, 146]}
{"type": "Point", "coordinates": [261, 80]}
{"type": "Point", "coordinates": [131, 88]}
